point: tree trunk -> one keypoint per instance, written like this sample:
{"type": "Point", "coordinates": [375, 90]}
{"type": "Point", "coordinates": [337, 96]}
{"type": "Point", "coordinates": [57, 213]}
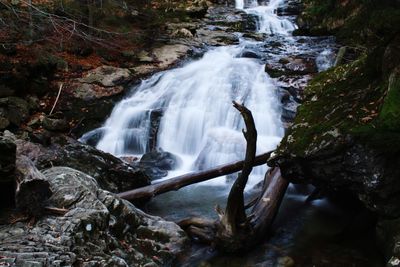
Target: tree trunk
{"type": "Point", "coordinates": [267, 206]}
{"type": "Point", "coordinates": [32, 188]}
{"type": "Point", "coordinates": [188, 179]}
{"type": "Point", "coordinates": [235, 231]}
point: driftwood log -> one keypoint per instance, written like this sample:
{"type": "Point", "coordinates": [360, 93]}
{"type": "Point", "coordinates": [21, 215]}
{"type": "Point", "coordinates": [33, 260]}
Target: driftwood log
{"type": "Point", "coordinates": [32, 188]}
{"type": "Point", "coordinates": [236, 230]}
{"type": "Point", "coordinates": [187, 179]}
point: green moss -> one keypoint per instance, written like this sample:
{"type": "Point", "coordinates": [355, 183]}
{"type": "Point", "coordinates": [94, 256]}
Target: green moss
{"type": "Point", "coordinates": [358, 22]}
{"type": "Point", "coordinates": [353, 100]}
{"type": "Point", "coordinates": [383, 133]}
{"type": "Point", "coordinates": [389, 117]}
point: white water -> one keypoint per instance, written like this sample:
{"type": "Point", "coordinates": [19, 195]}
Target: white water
{"type": "Point", "coordinates": [199, 123]}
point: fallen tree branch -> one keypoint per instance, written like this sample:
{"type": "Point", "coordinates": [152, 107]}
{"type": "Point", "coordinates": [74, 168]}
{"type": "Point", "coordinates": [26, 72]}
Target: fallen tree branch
{"type": "Point", "coordinates": [33, 190]}
{"type": "Point", "coordinates": [235, 231]}
{"type": "Point", "coordinates": [190, 178]}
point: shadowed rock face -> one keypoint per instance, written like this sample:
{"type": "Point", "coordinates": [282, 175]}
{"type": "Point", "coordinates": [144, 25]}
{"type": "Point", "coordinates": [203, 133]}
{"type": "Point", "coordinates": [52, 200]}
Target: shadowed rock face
{"type": "Point", "coordinates": [111, 173]}
{"type": "Point", "coordinates": [345, 137]}
{"type": "Point", "coordinates": [99, 229]}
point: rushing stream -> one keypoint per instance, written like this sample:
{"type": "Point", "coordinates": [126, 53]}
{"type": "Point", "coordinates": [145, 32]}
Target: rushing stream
{"type": "Point", "coordinates": [199, 125]}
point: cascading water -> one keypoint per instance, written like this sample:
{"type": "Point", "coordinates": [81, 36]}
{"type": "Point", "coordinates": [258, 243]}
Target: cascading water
{"type": "Point", "coordinates": [198, 123]}
{"type": "Point", "coordinates": [192, 105]}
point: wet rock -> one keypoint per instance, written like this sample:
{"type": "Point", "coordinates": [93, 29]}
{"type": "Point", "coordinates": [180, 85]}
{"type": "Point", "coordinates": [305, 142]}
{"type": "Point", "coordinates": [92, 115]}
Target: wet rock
{"type": "Point", "coordinates": [93, 137]}
{"type": "Point", "coordinates": [111, 173]}
{"type": "Point", "coordinates": [155, 119]}
{"type": "Point", "coordinates": [292, 8]}
{"type": "Point", "coordinates": [290, 66]}
{"type": "Point", "coordinates": [99, 229]}
{"type": "Point", "coordinates": [249, 54]}
{"type": "Point", "coordinates": [255, 36]}
{"type": "Point", "coordinates": [289, 110]}
{"type": "Point", "coordinates": [158, 163]}
{"type": "Point", "coordinates": [161, 159]}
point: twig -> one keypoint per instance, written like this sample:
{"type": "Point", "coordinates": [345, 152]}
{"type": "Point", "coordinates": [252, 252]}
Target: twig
{"type": "Point", "coordinates": [58, 96]}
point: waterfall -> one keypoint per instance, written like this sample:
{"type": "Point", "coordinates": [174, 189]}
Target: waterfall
{"type": "Point", "coordinates": [198, 122]}
{"type": "Point", "coordinates": [269, 21]}
{"type": "Point", "coordinates": [239, 4]}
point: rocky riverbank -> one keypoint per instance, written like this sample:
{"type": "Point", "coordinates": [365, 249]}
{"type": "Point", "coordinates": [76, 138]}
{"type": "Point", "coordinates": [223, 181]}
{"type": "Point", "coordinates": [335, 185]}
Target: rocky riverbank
{"type": "Point", "coordinates": [94, 227]}
{"type": "Point", "coordinates": [346, 134]}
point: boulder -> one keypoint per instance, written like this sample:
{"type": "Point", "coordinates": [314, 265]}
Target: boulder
{"type": "Point", "coordinates": [111, 173]}
{"type": "Point", "coordinates": [216, 37]}
{"type": "Point", "coordinates": [160, 58]}
{"type": "Point", "coordinates": [169, 55]}
{"type": "Point", "coordinates": [87, 91]}
{"type": "Point", "coordinates": [158, 163]}
{"type": "Point", "coordinates": [250, 54]}
{"type": "Point", "coordinates": [98, 229]}
{"type": "Point", "coordinates": [343, 141]}
{"type": "Point", "coordinates": [289, 66]}
{"type": "Point", "coordinates": [107, 76]}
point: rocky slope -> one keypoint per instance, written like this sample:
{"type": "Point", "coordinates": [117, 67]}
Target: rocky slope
{"type": "Point", "coordinates": [346, 135]}
{"type": "Point", "coordinates": [96, 228]}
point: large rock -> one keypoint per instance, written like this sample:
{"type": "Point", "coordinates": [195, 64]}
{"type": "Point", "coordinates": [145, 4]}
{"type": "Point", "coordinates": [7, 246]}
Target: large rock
{"type": "Point", "coordinates": [99, 229]}
{"type": "Point", "coordinates": [346, 137]}
{"type": "Point", "coordinates": [161, 58]}
{"type": "Point", "coordinates": [86, 91]}
{"type": "Point", "coordinates": [107, 76]}
{"type": "Point", "coordinates": [169, 55]}
{"type": "Point", "coordinates": [290, 66]}
{"type": "Point", "coordinates": [111, 173]}
{"type": "Point", "coordinates": [157, 163]}
{"type": "Point", "coordinates": [216, 37]}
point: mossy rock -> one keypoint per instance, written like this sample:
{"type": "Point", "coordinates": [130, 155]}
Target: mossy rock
{"type": "Point", "coordinates": [346, 135]}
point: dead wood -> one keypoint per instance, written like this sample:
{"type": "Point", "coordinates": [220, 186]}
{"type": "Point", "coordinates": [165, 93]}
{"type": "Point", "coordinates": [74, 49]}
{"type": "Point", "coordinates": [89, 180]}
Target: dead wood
{"type": "Point", "coordinates": [188, 179]}
{"type": "Point", "coordinates": [235, 230]}
{"type": "Point", "coordinates": [33, 189]}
